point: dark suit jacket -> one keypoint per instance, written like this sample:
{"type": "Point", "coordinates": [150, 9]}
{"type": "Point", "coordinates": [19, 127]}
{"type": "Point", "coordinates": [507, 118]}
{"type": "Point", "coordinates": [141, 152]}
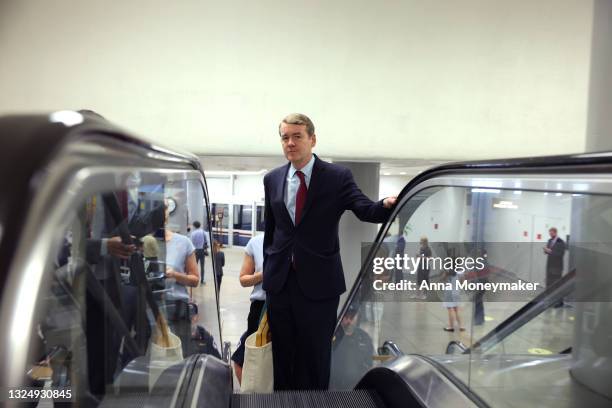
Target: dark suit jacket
{"type": "Point", "coordinates": [139, 225]}
{"type": "Point", "coordinates": [554, 261]}
{"type": "Point", "coordinates": [314, 241]}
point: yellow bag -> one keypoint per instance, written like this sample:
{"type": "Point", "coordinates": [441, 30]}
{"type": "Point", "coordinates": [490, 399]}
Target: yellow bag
{"type": "Point", "coordinates": [263, 334]}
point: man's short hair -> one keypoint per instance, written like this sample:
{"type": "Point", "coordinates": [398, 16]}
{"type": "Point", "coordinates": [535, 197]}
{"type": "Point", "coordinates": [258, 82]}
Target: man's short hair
{"type": "Point", "coordinates": [196, 224]}
{"type": "Point", "coordinates": [553, 229]}
{"type": "Point", "coordinates": [298, 119]}
{"type": "Point", "coordinates": [352, 311]}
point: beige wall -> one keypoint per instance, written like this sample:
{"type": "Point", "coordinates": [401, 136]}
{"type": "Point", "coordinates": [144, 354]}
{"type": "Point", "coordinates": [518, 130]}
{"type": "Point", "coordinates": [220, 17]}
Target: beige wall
{"type": "Point", "coordinates": [599, 128]}
{"type": "Point", "coordinates": [427, 79]}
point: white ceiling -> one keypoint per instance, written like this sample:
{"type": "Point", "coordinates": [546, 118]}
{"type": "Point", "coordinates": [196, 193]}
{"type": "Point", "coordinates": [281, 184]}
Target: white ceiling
{"type": "Point", "coordinates": [233, 164]}
{"type": "Point", "coordinates": [474, 79]}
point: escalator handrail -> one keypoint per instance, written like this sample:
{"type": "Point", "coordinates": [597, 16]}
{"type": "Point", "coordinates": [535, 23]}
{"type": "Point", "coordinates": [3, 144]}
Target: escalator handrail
{"type": "Point", "coordinates": [462, 386]}
{"type": "Point", "coordinates": [551, 296]}
{"type": "Point", "coordinates": [390, 348]}
{"type": "Point", "coordinates": [408, 360]}
{"type": "Point", "coordinates": [458, 344]}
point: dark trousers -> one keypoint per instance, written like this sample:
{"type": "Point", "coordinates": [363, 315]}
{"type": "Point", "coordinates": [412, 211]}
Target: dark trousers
{"type": "Point", "coordinates": [219, 279]}
{"type": "Point", "coordinates": [103, 341]}
{"type": "Point", "coordinates": [252, 326]}
{"type": "Point", "coordinates": [553, 274]}
{"type": "Point", "coordinates": [179, 320]}
{"type": "Point", "coordinates": [199, 253]}
{"type": "Point", "coordinates": [254, 315]}
{"type": "Point", "coordinates": [302, 331]}
{"type": "Point", "coordinates": [479, 313]}
{"type": "Point", "coordinates": [422, 275]}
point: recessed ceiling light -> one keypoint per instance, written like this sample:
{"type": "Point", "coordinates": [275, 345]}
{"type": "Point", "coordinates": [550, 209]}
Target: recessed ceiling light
{"type": "Point", "coordinates": [403, 173]}
{"type": "Point", "coordinates": [386, 174]}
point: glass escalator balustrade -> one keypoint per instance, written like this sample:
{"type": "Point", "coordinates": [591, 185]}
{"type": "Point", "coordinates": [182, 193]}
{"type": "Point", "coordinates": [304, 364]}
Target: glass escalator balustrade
{"type": "Point", "coordinates": [530, 238]}
{"type": "Point", "coordinates": [124, 312]}
{"type": "Point", "coordinates": [121, 317]}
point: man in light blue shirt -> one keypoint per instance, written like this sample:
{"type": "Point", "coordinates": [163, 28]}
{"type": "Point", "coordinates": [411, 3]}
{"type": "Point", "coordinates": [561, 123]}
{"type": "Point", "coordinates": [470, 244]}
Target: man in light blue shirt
{"type": "Point", "coordinates": [201, 242]}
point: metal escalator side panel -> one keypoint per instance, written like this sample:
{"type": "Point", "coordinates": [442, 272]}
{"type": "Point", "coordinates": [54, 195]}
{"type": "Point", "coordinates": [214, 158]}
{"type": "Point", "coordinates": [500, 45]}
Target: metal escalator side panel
{"type": "Point", "coordinates": [456, 347]}
{"type": "Point", "coordinates": [210, 384]}
{"type": "Point", "coordinates": [413, 380]}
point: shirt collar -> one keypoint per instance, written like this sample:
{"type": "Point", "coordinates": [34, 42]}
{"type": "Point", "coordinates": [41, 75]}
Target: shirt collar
{"type": "Point", "coordinates": [307, 169]}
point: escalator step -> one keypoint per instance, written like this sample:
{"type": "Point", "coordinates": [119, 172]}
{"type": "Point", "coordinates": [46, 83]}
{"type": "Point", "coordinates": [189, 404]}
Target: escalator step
{"type": "Point", "coordinates": [308, 399]}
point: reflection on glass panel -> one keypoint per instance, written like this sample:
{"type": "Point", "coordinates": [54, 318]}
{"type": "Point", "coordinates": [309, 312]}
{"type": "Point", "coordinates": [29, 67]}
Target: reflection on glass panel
{"type": "Point", "coordinates": [243, 222]}
{"type": "Point", "coordinates": [125, 301]}
{"type": "Point", "coordinates": [520, 236]}
{"type": "Point", "coordinates": [551, 332]}
{"type": "Point", "coordinates": [220, 220]}
{"type": "Point", "coordinates": [261, 226]}
{"type": "Point", "coordinates": [243, 217]}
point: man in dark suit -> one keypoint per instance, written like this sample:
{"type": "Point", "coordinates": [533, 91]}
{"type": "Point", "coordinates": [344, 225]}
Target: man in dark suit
{"type": "Point", "coordinates": [104, 252]}
{"type": "Point", "coordinates": [554, 250]}
{"type": "Point", "coordinates": [303, 275]}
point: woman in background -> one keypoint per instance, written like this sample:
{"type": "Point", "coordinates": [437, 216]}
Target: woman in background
{"type": "Point", "coordinates": [423, 271]}
{"type": "Point", "coordinates": [451, 301]}
{"type": "Point", "coordinates": [181, 271]}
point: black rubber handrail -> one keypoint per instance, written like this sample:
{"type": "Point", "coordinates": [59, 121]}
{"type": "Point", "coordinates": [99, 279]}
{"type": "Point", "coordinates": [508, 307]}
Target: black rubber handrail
{"type": "Point", "coordinates": [456, 344]}
{"type": "Point", "coordinates": [389, 348]}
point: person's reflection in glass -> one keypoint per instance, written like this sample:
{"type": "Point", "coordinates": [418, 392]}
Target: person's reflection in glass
{"type": "Point", "coordinates": [554, 251]}
{"type": "Point", "coordinates": [423, 271]}
{"type": "Point", "coordinates": [451, 301]}
{"type": "Point", "coordinates": [181, 271]}
{"type": "Point", "coordinates": [352, 352]}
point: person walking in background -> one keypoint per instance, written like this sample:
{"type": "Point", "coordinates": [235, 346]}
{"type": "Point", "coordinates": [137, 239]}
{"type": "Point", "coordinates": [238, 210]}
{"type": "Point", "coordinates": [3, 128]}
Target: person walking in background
{"type": "Point", "coordinates": [554, 251]}
{"type": "Point", "coordinates": [181, 271]}
{"type": "Point", "coordinates": [251, 274]}
{"type": "Point", "coordinates": [400, 248]}
{"type": "Point", "coordinates": [219, 260]}
{"type": "Point", "coordinates": [451, 302]}
{"type": "Point", "coordinates": [201, 242]}
{"type": "Point", "coordinates": [480, 276]}
{"type": "Point", "coordinates": [303, 276]}
{"type": "Point", "coordinates": [423, 271]}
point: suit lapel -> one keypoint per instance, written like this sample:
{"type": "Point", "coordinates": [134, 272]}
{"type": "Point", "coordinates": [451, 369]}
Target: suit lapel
{"type": "Point", "coordinates": [314, 187]}
{"type": "Point", "coordinates": [283, 191]}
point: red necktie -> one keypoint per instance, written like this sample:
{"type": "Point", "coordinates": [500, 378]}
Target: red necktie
{"type": "Point", "coordinates": [300, 197]}
{"type": "Point", "coordinates": [122, 197]}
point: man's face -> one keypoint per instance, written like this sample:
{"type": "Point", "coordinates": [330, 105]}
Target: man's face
{"type": "Point", "coordinates": [348, 323]}
{"type": "Point", "coordinates": [552, 233]}
{"type": "Point", "coordinates": [297, 145]}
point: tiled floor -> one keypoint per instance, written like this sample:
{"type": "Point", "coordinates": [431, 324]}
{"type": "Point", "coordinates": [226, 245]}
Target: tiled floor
{"type": "Point", "coordinates": [233, 299]}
